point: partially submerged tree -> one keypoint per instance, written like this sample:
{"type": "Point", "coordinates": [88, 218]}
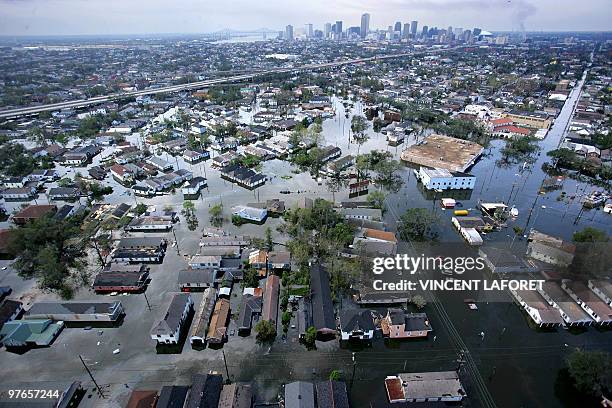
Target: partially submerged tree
{"type": "Point", "coordinates": [359, 125]}
{"type": "Point", "coordinates": [53, 252]}
{"type": "Point", "coordinates": [591, 371]}
{"type": "Point", "coordinates": [417, 224]}
{"type": "Point", "coordinates": [216, 215]}
{"type": "Point", "coordinates": [266, 332]}
{"type": "Point", "coordinates": [190, 215]}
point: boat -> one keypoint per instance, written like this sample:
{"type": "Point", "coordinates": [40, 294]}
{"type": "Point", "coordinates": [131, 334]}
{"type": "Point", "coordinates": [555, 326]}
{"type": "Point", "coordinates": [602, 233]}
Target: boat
{"type": "Point", "coordinates": [608, 208]}
{"type": "Point", "coordinates": [514, 212]}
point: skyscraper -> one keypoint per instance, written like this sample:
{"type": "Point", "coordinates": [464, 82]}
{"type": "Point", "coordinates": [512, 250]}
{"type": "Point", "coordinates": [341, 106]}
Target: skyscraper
{"type": "Point", "coordinates": [326, 30]}
{"type": "Point", "coordinates": [365, 25]}
{"type": "Point", "coordinates": [339, 28]}
{"type": "Point", "coordinates": [425, 31]}
{"type": "Point", "coordinates": [406, 31]}
{"type": "Point", "coordinates": [398, 26]}
{"type": "Point", "coordinates": [309, 32]}
{"type": "Point", "coordinates": [413, 28]}
{"type": "Point", "coordinates": [289, 33]}
{"type": "Point", "coordinates": [476, 31]}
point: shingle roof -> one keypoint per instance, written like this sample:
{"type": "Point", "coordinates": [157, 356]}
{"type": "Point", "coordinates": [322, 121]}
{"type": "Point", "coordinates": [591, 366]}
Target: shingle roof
{"type": "Point", "coordinates": [332, 394]}
{"type": "Point", "coordinates": [322, 305]}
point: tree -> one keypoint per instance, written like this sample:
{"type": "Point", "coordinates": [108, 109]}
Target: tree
{"type": "Point", "coordinates": [334, 375]}
{"type": "Point", "coordinates": [335, 183]}
{"type": "Point", "coordinates": [102, 245]}
{"type": "Point", "coordinates": [190, 215]}
{"type": "Point", "coordinates": [376, 199]}
{"type": "Point", "coordinates": [216, 214]}
{"type": "Point", "coordinates": [266, 332]}
{"type": "Point", "coordinates": [359, 125]}
{"type": "Point", "coordinates": [15, 160]}
{"type": "Point", "coordinates": [387, 175]}
{"type": "Point", "coordinates": [417, 224]}
{"type": "Point", "coordinates": [269, 244]}
{"type": "Point", "coordinates": [140, 208]}
{"type": "Point", "coordinates": [592, 256]}
{"type": "Point", "coordinates": [419, 301]}
{"type": "Point", "coordinates": [250, 278]}
{"type": "Point", "coordinates": [363, 167]}
{"type": "Point", "coordinates": [286, 319]}
{"type": "Point", "coordinates": [51, 251]}
{"type": "Point", "coordinates": [310, 336]}
{"type": "Point", "coordinates": [591, 371]}
{"type": "Point", "coordinates": [342, 273]}
{"type": "Point", "coordinates": [590, 235]}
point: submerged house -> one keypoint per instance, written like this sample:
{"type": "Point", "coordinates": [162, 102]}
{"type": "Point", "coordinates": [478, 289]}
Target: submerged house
{"type": "Point", "coordinates": [168, 329]}
{"type": "Point", "coordinates": [321, 304]}
{"type": "Point", "coordinates": [29, 333]}
{"type": "Point", "coordinates": [356, 324]}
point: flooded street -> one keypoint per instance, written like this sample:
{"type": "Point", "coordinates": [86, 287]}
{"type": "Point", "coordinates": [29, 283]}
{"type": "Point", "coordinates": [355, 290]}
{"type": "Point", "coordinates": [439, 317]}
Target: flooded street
{"type": "Point", "coordinates": [518, 363]}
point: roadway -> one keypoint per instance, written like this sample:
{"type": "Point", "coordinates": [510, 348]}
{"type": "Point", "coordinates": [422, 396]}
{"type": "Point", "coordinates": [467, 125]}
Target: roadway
{"type": "Point", "coordinates": [80, 103]}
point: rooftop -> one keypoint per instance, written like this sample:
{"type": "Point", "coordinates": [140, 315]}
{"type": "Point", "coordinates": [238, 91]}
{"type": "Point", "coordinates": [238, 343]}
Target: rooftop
{"type": "Point", "coordinates": [443, 152]}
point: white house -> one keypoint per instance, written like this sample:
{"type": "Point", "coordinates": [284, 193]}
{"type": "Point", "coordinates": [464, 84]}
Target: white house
{"type": "Point", "coordinates": [18, 194]}
{"type": "Point", "coordinates": [250, 213]}
{"type": "Point", "coordinates": [205, 262]}
{"type": "Point", "coordinates": [429, 386]}
{"type": "Point", "coordinates": [356, 324]}
{"type": "Point", "coordinates": [194, 186]}
{"type": "Point", "coordinates": [442, 179]}
{"type": "Point", "coordinates": [15, 182]}
{"type": "Point", "coordinates": [168, 330]}
{"type": "Point", "coordinates": [121, 174]}
{"type": "Point", "coordinates": [161, 164]}
{"type": "Point", "coordinates": [194, 156]}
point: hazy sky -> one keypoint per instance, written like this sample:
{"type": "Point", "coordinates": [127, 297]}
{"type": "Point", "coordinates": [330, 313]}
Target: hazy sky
{"type": "Point", "coordinates": [39, 17]}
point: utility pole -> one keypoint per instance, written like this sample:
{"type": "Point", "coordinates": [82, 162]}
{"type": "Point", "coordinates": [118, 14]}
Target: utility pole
{"type": "Point", "coordinates": [226, 370]}
{"type": "Point", "coordinates": [92, 378]}
{"type": "Point", "coordinates": [147, 300]}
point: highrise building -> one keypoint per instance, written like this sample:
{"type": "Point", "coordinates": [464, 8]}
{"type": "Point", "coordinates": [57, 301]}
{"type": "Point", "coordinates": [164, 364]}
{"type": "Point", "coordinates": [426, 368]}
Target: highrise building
{"type": "Point", "coordinates": [289, 33]}
{"type": "Point", "coordinates": [413, 27]}
{"type": "Point", "coordinates": [309, 33]}
{"type": "Point", "coordinates": [476, 31]}
{"type": "Point", "coordinates": [398, 26]}
{"type": "Point", "coordinates": [406, 31]}
{"type": "Point", "coordinates": [365, 25]}
{"type": "Point", "coordinates": [458, 32]}
{"type": "Point", "coordinates": [338, 28]}
{"type": "Point", "coordinates": [326, 30]}
{"type": "Point", "coordinates": [425, 31]}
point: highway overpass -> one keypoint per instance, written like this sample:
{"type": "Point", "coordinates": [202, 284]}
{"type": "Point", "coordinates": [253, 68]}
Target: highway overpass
{"type": "Point", "coordinates": [81, 103]}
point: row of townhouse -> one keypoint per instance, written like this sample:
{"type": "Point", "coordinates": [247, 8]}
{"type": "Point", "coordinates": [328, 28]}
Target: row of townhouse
{"type": "Point", "coordinates": [154, 185]}
{"type": "Point", "coordinates": [243, 176]}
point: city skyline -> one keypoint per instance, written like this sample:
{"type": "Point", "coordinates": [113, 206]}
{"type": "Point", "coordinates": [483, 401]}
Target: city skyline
{"type": "Point", "coordinates": [97, 17]}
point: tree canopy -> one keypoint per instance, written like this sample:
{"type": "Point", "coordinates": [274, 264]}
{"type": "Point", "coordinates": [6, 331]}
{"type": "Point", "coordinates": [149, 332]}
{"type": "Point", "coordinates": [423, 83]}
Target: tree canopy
{"type": "Point", "coordinates": [591, 371]}
{"type": "Point", "coordinates": [51, 251]}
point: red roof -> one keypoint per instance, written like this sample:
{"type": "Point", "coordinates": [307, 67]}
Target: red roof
{"type": "Point", "coordinates": [35, 211]}
{"type": "Point", "coordinates": [500, 121]}
{"type": "Point", "coordinates": [513, 129]}
{"type": "Point", "coordinates": [118, 169]}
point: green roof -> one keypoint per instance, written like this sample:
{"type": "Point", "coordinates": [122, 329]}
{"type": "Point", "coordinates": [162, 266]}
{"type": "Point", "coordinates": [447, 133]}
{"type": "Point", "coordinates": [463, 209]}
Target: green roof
{"type": "Point", "coordinates": [18, 333]}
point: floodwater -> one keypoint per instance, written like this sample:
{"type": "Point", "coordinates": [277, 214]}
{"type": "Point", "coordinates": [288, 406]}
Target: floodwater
{"type": "Point", "coordinates": [518, 364]}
